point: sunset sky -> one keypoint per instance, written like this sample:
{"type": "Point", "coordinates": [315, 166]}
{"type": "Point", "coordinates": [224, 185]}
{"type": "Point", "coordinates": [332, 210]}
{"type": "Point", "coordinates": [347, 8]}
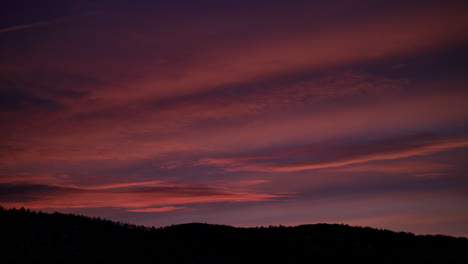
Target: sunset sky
{"type": "Point", "coordinates": [243, 113]}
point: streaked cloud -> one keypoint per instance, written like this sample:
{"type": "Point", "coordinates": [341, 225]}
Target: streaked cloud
{"type": "Point", "coordinates": [39, 196]}
{"type": "Point", "coordinates": [335, 156]}
{"type": "Point", "coordinates": [43, 23]}
{"type": "Point", "coordinates": [26, 178]}
{"type": "Point", "coordinates": [156, 210]}
{"type": "Point", "coordinates": [431, 175]}
{"type": "Point", "coordinates": [247, 113]}
{"type": "Point", "coordinates": [126, 185]}
{"type": "Point", "coordinates": [396, 167]}
{"type": "Point", "coordinates": [307, 48]}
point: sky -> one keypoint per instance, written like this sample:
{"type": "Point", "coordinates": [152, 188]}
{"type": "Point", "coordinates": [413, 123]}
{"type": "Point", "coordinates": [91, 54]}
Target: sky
{"type": "Point", "coordinates": [245, 113]}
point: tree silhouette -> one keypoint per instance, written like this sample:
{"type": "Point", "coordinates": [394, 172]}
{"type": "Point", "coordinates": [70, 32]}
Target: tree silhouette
{"type": "Point", "coordinates": [30, 236]}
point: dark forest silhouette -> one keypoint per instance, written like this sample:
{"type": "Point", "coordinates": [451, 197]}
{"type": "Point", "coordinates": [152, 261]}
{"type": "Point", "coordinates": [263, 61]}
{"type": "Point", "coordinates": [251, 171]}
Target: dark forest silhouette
{"type": "Point", "coordinates": [28, 236]}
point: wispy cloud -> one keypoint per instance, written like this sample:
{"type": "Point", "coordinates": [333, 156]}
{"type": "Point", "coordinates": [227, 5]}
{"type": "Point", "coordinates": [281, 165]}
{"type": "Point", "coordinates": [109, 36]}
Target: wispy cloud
{"type": "Point", "coordinates": [319, 157]}
{"type": "Point", "coordinates": [156, 210]}
{"type": "Point", "coordinates": [43, 23]}
{"type": "Point", "coordinates": [26, 178]}
{"type": "Point", "coordinates": [265, 56]}
{"type": "Point", "coordinates": [157, 108]}
{"type": "Point", "coordinates": [137, 199]}
{"type": "Point", "coordinates": [396, 167]}
{"type": "Point", "coordinates": [431, 175]}
{"type": "Point", "coordinates": [126, 185]}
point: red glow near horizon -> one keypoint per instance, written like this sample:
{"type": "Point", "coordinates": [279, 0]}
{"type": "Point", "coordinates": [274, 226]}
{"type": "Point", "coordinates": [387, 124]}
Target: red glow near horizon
{"type": "Point", "coordinates": [245, 114]}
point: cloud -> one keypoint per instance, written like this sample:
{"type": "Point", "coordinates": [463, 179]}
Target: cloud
{"type": "Point", "coordinates": [140, 199]}
{"type": "Point", "coordinates": [32, 25]}
{"type": "Point", "coordinates": [156, 210]}
{"type": "Point", "coordinates": [126, 185]}
{"type": "Point", "coordinates": [221, 121]}
{"type": "Point", "coordinates": [306, 48]}
{"type": "Point", "coordinates": [43, 23]}
{"type": "Point", "coordinates": [20, 101]}
{"type": "Point", "coordinates": [244, 183]}
{"type": "Point", "coordinates": [33, 193]}
{"type": "Point", "coordinates": [26, 178]}
{"type": "Point", "coordinates": [335, 156]}
{"type": "Point", "coordinates": [257, 95]}
{"type": "Point", "coordinates": [431, 175]}
{"type": "Point", "coordinates": [389, 188]}
{"type": "Point", "coordinates": [160, 67]}
{"type": "Point", "coordinates": [238, 182]}
{"type": "Point", "coordinates": [396, 167]}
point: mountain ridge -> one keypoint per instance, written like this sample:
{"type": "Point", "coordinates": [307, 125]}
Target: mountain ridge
{"type": "Point", "coordinates": [35, 236]}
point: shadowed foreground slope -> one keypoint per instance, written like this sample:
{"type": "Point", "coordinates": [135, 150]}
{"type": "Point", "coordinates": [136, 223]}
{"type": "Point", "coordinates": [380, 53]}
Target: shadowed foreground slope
{"type": "Point", "coordinates": [29, 236]}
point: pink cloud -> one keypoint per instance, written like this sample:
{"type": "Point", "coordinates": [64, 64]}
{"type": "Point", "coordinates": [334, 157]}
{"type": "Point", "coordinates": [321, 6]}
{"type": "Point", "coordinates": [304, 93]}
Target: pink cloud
{"type": "Point", "coordinates": [309, 48]}
{"type": "Point", "coordinates": [396, 167]}
{"type": "Point", "coordinates": [239, 182]}
{"type": "Point", "coordinates": [273, 93]}
{"type": "Point", "coordinates": [212, 65]}
{"type": "Point", "coordinates": [43, 23]}
{"type": "Point", "coordinates": [156, 210]}
{"type": "Point", "coordinates": [431, 175]}
{"type": "Point", "coordinates": [342, 156]}
{"type": "Point", "coordinates": [279, 125]}
{"type": "Point", "coordinates": [38, 196]}
{"type": "Point", "coordinates": [126, 184]}
{"type": "Point", "coordinates": [26, 178]}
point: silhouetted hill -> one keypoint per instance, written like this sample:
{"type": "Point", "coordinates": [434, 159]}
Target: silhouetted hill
{"type": "Point", "coordinates": [28, 236]}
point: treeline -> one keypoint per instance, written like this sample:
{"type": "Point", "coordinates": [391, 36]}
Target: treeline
{"type": "Point", "coordinates": [29, 236]}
